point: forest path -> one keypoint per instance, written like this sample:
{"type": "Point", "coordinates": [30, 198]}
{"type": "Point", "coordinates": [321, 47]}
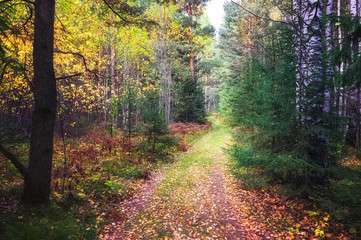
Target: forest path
{"type": "Point", "coordinates": [195, 198]}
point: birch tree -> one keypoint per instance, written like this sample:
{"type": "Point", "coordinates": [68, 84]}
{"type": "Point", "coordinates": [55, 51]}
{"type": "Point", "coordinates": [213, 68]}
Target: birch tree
{"type": "Point", "coordinates": [312, 96]}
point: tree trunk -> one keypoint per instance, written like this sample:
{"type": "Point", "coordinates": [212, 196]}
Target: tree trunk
{"type": "Point", "coordinates": [329, 68]}
{"type": "Point", "coordinates": [310, 84]}
{"type": "Point", "coordinates": [38, 180]}
{"type": "Point", "coordinates": [113, 107]}
{"type": "Point", "coordinates": [191, 54]}
{"type": "Point", "coordinates": [164, 70]}
{"type": "Point", "coordinates": [298, 21]}
{"type": "Point", "coordinates": [352, 105]}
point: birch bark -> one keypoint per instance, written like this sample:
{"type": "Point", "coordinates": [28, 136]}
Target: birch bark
{"type": "Point", "coordinates": [329, 67]}
{"type": "Point", "coordinates": [312, 97]}
{"type": "Point", "coordinates": [164, 71]}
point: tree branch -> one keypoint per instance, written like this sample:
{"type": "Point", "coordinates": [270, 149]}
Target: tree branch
{"type": "Point", "coordinates": [257, 16]}
{"type": "Point", "coordinates": [29, 18]}
{"type": "Point", "coordinates": [5, 1]}
{"type": "Point", "coordinates": [70, 76]}
{"type": "Point", "coordinates": [62, 25]}
{"type": "Point", "coordinates": [82, 57]}
{"type": "Point", "coordinates": [138, 22]}
{"type": "Point", "coordinates": [14, 160]}
{"type": "Point", "coordinates": [115, 12]}
{"type": "Point", "coordinates": [4, 71]}
{"type": "Point", "coordinates": [283, 13]}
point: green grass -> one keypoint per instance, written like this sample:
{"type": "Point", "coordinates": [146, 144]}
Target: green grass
{"type": "Point", "coordinates": [180, 178]}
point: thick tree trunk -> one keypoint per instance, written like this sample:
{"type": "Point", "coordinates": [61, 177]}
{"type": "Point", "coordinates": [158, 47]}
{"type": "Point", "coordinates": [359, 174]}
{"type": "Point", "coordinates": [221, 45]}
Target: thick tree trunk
{"type": "Point", "coordinates": [37, 182]}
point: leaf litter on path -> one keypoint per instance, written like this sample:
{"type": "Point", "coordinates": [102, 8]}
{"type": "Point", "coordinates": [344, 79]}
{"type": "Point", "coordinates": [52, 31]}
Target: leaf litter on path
{"type": "Point", "coordinates": [198, 198]}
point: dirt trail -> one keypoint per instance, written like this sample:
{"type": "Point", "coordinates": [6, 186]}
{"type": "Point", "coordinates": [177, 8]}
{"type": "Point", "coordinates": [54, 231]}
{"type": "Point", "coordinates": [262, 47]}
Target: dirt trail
{"type": "Point", "coordinates": [189, 200]}
{"type": "Point", "coordinates": [228, 216]}
{"type": "Point", "coordinates": [198, 198]}
{"type": "Point", "coordinates": [134, 205]}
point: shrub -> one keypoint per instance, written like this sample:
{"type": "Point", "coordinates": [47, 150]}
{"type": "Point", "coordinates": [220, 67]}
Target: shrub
{"type": "Point", "coordinates": [122, 170]}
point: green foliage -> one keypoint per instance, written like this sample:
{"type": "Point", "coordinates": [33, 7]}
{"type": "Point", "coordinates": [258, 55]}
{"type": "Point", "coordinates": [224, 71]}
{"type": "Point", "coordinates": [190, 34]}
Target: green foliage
{"type": "Point", "coordinates": [190, 106]}
{"type": "Point", "coordinates": [114, 112]}
{"type": "Point", "coordinates": [259, 93]}
{"type": "Point", "coordinates": [100, 188]}
{"type": "Point", "coordinates": [45, 222]}
{"type": "Point", "coordinates": [342, 195]}
{"type": "Point", "coordinates": [5, 14]}
{"type": "Point", "coordinates": [117, 168]}
{"type": "Point", "coordinates": [285, 169]}
{"type": "Point", "coordinates": [154, 127]}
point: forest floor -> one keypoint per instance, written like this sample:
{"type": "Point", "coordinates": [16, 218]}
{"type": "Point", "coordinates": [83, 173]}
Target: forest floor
{"type": "Point", "coordinates": [197, 197]}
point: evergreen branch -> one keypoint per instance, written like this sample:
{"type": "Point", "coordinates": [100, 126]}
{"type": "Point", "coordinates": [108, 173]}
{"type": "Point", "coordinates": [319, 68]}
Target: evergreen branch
{"type": "Point", "coordinates": [14, 160]}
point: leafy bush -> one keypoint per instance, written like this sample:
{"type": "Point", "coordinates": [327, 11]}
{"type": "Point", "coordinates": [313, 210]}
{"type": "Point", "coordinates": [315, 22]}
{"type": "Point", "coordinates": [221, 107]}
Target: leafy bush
{"type": "Point", "coordinates": [116, 168]}
{"type": "Point", "coordinates": [101, 188]}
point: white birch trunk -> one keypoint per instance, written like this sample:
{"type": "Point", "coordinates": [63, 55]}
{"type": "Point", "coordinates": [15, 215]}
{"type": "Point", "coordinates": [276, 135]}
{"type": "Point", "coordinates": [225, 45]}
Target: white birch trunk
{"type": "Point", "coordinates": [329, 47]}
{"type": "Point", "coordinates": [353, 100]}
{"type": "Point", "coordinates": [112, 87]}
{"type": "Point", "coordinates": [298, 22]}
{"type": "Point", "coordinates": [164, 71]}
{"type": "Point", "coordinates": [310, 88]}
{"type": "Point", "coordinates": [125, 110]}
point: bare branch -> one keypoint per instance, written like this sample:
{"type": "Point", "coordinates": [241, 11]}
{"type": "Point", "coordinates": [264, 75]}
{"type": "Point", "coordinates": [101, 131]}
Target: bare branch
{"type": "Point", "coordinates": [115, 12]}
{"type": "Point", "coordinates": [138, 22]}
{"type": "Point", "coordinates": [289, 20]}
{"type": "Point", "coordinates": [14, 160]}
{"type": "Point", "coordinates": [257, 16]}
{"type": "Point", "coordinates": [70, 76]}
{"type": "Point", "coordinates": [4, 71]}
{"type": "Point", "coordinates": [62, 25]}
{"type": "Point", "coordinates": [82, 57]}
{"type": "Point", "coordinates": [5, 1]}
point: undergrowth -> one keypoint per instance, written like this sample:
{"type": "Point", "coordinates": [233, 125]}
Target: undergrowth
{"type": "Point", "coordinates": [53, 222]}
{"type": "Point", "coordinates": [91, 175]}
{"type": "Point", "coordinates": [295, 177]}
